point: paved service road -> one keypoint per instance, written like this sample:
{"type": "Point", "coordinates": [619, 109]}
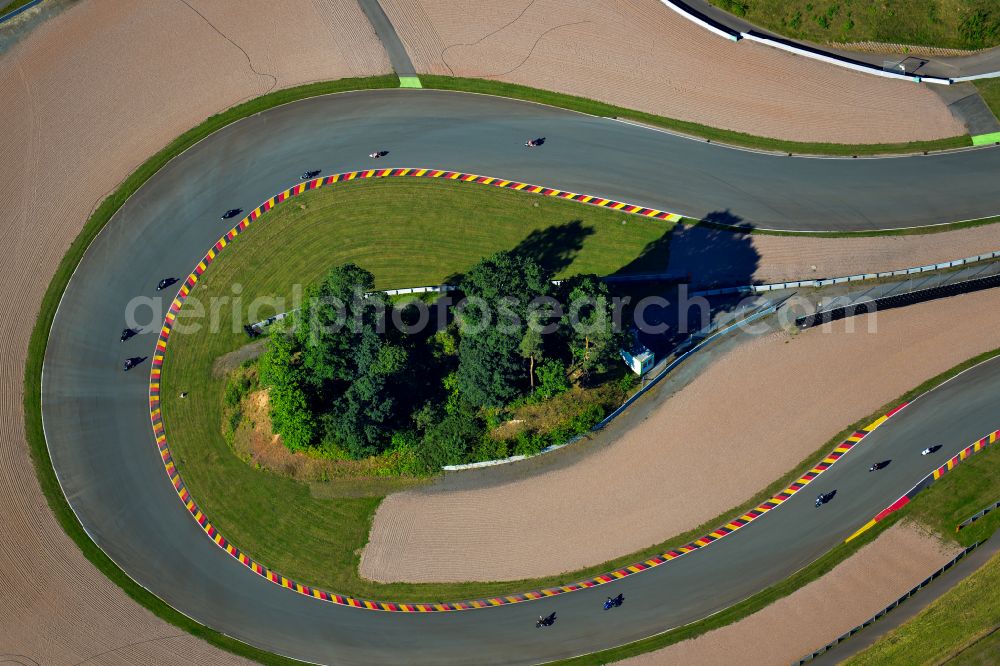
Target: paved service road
{"type": "Point", "coordinates": [98, 431]}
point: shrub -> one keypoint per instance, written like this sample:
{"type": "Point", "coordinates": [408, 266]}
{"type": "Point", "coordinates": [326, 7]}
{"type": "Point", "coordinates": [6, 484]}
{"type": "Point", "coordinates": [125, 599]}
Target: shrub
{"type": "Point", "coordinates": [579, 424]}
{"type": "Point", "coordinates": [552, 379]}
{"type": "Point", "coordinates": [980, 28]}
{"type": "Point", "coordinates": [449, 441]}
{"type": "Point", "coordinates": [529, 444]}
{"type": "Point", "coordinates": [292, 418]}
{"type": "Point", "coordinates": [735, 7]}
{"type": "Point", "coordinates": [488, 448]}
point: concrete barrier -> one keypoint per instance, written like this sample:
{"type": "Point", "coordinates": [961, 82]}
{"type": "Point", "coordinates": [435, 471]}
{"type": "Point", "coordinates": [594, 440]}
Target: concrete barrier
{"type": "Point", "coordinates": [897, 300]}
{"type": "Point", "coordinates": [704, 21]}
{"type": "Point", "coordinates": [722, 30]}
{"type": "Point", "coordinates": [839, 61]}
{"type": "Point", "coordinates": [976, 77]}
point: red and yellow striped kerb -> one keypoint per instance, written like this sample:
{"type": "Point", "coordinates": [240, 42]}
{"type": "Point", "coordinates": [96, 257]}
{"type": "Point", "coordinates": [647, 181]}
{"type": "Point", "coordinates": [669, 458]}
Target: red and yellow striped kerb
{"type": "Point", "coordinates": [976, 447]}
{"type": "Point", "coordinates": [192, 507]}
{"type": "Point", "coordinates": [971, 449]}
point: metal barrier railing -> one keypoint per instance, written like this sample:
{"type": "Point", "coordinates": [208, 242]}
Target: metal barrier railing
{"type": "Point", "coordinates": [979, 514]}
{"type": "Point", "coordinates": [882, 613]}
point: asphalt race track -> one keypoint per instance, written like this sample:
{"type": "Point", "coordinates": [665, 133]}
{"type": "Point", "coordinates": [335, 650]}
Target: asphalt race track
{"type": "Point", "coordinates": [96, 418]}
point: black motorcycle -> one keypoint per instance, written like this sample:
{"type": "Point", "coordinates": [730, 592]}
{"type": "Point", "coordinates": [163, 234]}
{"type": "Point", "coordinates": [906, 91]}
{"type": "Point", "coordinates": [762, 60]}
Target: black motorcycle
{"type": "Point", "coordinates": [546, 621]}
{"type": "Point", "coordinates": [824, 498]}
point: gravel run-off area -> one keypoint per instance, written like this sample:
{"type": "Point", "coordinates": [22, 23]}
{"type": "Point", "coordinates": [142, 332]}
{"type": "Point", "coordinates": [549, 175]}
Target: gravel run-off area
{"type": "Point", "coordinates": [641, 55]}
{"type": "Point", "coordinates": [810, 617]}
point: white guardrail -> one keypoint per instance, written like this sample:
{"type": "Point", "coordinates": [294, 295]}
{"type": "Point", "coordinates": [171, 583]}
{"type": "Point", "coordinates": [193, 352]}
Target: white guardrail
{"type": "Point", "coordinates": [976, 77]}
{"type": "Point", "coordinates": [721, 31]}
{"type": "Point", "coordinates": [885, 611]}
{"type": "Point", "coordinates": [826, 282]}
{"type": "Point", "coordinates": [840, 61]}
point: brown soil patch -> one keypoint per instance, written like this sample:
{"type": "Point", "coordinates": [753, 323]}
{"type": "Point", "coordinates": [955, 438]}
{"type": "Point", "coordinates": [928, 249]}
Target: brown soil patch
{"type": "Point", "coordinates": [853, 591]}
{"type": "Point", "coordinates": [234, 359]}
{"type": "Point", "coordinates": [85, 97]}
{"type": "Point", "coordinates": [774, 378]}
{"type": "Point", "coordinates": [641, 55]}
{"type": "Point", "coordinates": [256, 444]}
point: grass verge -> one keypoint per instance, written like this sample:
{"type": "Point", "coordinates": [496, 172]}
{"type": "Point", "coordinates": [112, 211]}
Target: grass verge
{"type": "Point", "coordinates": [954, 24]}
{"type": "Point", "coordinates": [961, 625]}
{"type": "Point", "coordinates": [11, 6]}
{"type": "Point", "coordinates": [593, 107]}
{"type": "Point", "coordinates": [951, 500]}
{"type": "Point", "coordinates": [39, 339]}
{"type": "Point", "coordinates": [990, 91]}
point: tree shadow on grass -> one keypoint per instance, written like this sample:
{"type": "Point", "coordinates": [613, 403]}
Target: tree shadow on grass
{"type": "Point", "coordinates": [554, 248]}
{"type": "Point", "coordinates": [717, 251]}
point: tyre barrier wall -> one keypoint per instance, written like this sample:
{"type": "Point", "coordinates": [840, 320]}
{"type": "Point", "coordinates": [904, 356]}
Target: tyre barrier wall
{"type": "Point", "coordinates": [972, 449]}
{"type": "Point", "coordinates": [898, 301]}
{"type": "Point", "coordinates": [976, 516]}
{"type": "Point", "coordinates": [891, 607]}
{"type": "Point", "coordinates": [722, 30]}
{"type": "Point", "coordinates": [159, 433]}
{"type": "Point", "coordinates": [826, 282]}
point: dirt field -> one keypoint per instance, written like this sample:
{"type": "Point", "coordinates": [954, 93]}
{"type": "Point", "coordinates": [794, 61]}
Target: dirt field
{"type": "Point", "coordinates": [641, 55]}
{"type": "Point", "coordinates": [855, 590]}
{"type": "Point", "coordinates": [501, 535]}
{"type": "Point", "coordinates": [78, 116]}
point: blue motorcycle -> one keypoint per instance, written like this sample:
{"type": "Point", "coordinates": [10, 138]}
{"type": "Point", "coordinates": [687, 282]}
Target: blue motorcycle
{"type": "Point", "coordinates": [614, 602]}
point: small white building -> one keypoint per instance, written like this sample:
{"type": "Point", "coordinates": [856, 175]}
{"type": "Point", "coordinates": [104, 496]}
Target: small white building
{"type": "Point", "coordinates": [639, 358]}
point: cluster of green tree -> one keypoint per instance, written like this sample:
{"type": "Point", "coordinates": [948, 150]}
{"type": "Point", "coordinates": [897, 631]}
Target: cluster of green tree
{"type": "Point", "coordinates": [342, 379]}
